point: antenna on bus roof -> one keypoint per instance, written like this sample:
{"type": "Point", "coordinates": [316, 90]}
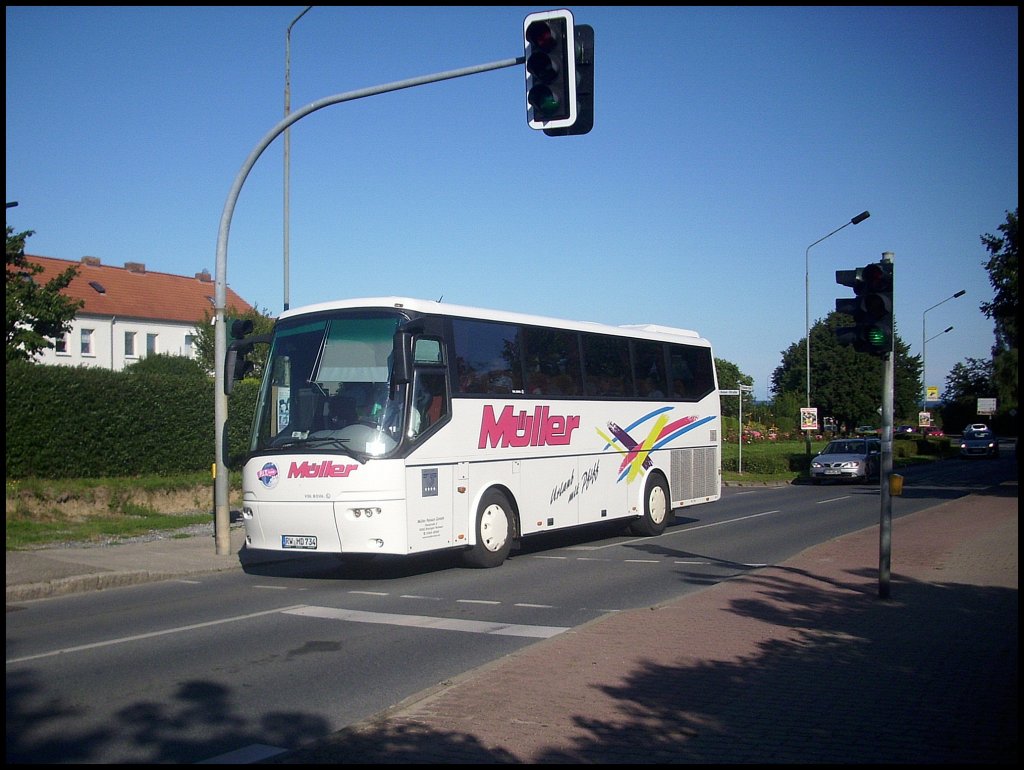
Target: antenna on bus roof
{"type": "Point", "coordinates": [440, 298]}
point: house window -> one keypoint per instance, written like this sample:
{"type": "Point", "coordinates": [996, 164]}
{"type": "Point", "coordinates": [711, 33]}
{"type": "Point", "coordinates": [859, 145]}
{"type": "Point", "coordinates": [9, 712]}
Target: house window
{"type": "Point", "coordinates": [129, 344]}
{"type": "Point", "coordinates": [150, 344]}
{"type": "Point", "coordinates": [61, 345]}
{"type": "Point", "coordinates": [86, 342]}
{"type": "Point", "coordinates": [190, 342]}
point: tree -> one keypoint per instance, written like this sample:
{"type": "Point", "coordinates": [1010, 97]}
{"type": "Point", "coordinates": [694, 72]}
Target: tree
{"type": "Point", "coordinates": [205, 342]}
{"type": "Point", "coordinates": [845, 384]}
{"type": "Point", "coordinates": [730, 378]}
{"type": "Point", "coordinates": [1002, 274]}
{"type": "Point", "coordinates": [969, 381]}
{"type": "Point", "coordinates": [36, 314]}
{"type": "Point", "coordinates": [965, 384]}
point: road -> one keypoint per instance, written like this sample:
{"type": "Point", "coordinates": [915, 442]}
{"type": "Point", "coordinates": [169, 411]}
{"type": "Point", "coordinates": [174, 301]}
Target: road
{"type": "Point", "coordinates": [188, 671]}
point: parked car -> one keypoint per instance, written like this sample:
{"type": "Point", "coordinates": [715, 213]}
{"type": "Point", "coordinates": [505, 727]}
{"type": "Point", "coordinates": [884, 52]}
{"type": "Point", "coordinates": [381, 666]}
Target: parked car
{"type": "Point", "coordinates": [905, 429]}
{"type": "Point", "coordinates": [933, 431]}
{"type": "Point", "coordinates": [866, 430]}
{"type": "Point", "coordinates": [979, 443]}
{"type": "Point", "coordinates": [854, 459]}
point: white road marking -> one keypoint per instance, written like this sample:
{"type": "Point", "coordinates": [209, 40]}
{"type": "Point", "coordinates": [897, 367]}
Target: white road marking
{"type": "Point", "coordinates": [424, 621]}
{"type": "Point", "coordinates": [150, 635]}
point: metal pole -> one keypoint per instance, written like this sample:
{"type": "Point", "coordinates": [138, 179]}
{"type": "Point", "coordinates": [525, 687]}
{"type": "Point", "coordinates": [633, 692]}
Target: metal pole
{"type": "Point", "coordinates": [885, 468]}
{"type": "Point", "coordinates": [287, 149]}
{"type": "Point", "coordinates": [924, 342]}
{"type": "Point", "coordinates": [741, 430]}
{"type": "Point", "coordinates": [222, 512]}
{"type": "Point", "coordinates": [807, 308]}
{"type": "Point", "coordinates": [742, 389]}
{"type": "Point", "coordinates": [923, 348]}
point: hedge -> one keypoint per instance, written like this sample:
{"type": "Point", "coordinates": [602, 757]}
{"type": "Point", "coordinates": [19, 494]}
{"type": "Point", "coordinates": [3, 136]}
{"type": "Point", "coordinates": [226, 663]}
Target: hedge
{"type": "Point", "coordinates": [85, 422]}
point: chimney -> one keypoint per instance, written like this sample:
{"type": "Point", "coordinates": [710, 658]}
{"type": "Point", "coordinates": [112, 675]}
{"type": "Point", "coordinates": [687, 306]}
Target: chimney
{"type": "Point", "coordinates": [91, 261]}
{"type": "Point", "coordinates": [204, 277]}
{"type": "Point", "coordinates": [135, 267]}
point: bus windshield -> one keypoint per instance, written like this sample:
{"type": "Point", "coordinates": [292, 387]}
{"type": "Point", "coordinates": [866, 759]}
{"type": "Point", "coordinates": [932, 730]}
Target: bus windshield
{"type": "Point", "coordinates": [328, 386]}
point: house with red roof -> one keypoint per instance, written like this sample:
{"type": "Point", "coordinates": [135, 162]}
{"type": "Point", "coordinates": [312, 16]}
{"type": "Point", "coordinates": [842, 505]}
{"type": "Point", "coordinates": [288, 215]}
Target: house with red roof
{"type": "Point", "coordinates": [130, 312]}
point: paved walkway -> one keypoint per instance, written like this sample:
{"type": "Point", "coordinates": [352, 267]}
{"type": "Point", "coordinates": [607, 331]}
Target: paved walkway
{"type": "Point", "coordinates": [798, 662]}
{"type": "Point", "coordinates": [801, 662]}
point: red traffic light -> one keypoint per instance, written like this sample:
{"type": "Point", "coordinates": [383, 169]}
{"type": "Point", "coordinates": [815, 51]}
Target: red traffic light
{"type": "Point", "coordinates": [541, 36]}
{"type": "Point", "coordinates": [874, 278]}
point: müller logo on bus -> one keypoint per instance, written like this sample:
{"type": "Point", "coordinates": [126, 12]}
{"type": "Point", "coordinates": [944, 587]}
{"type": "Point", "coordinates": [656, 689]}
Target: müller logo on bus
{"type": "Point", "coordinates": [523, 429]}
{"type": "Point", "coordinates": [322, 470]}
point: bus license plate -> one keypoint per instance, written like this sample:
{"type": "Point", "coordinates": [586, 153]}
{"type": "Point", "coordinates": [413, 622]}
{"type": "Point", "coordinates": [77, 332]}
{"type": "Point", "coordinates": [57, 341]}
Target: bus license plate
{"type": "Point", "coordinates": [299, 541]}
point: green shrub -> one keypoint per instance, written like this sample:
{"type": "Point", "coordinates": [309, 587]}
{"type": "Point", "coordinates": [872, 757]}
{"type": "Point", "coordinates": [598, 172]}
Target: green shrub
{"type": "Point", "coordinates": [153, 418]}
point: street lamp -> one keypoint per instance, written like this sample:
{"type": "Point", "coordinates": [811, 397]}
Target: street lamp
{"type": "Point", "coordinates": [924, 343]}
{"type": "Point", "coordinates": [288, 143]}
{"type": "Point", "coordinates": [807, 306]}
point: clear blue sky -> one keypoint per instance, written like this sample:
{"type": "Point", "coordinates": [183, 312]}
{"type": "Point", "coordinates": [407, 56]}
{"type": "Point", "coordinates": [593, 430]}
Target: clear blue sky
{"type": "Point", "coordinates": [726, 141]}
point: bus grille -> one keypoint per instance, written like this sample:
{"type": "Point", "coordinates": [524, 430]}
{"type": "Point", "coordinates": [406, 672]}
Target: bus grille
{"type": "Point", "coordinates": [694, 473]}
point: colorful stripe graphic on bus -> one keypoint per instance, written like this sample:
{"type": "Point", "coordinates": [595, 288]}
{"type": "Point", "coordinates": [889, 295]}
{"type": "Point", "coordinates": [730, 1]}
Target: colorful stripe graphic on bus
{"type": "Point", "coordinates": [660, 432]}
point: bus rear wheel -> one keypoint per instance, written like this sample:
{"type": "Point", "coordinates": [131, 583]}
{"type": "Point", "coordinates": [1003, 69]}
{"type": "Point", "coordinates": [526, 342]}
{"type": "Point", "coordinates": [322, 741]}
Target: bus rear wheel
{"type": "Point", "coordinates": [657, 508]}
{"type": "Point", "coordinates": [494, 530]}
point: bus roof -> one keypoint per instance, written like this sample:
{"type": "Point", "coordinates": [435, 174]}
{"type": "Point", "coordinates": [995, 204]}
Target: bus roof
{"type": "Point", "coordinates": [650, 331]}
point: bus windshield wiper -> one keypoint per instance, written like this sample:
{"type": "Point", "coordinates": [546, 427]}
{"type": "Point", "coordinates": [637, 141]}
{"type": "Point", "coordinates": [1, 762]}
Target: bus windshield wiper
{"type": "Point", "coordinates": [313, 441]}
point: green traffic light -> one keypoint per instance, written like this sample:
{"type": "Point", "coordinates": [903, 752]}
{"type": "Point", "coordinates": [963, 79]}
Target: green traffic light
{"type": "Point", "coordinates": [544, 100]}
{"type": "Point", "coordinates": [877, 338]}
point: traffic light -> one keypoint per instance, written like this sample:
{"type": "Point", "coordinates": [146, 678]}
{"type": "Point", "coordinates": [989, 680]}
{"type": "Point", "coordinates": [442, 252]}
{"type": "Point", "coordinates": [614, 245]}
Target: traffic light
{"type": "Point", "coordinates": [584, 35]}
{"type": "Point", "coordinates": [549, 40]}
{"type": "Point", "coordinates": [871, 309]}
{"type": "Point", "coordinates": [876, 324]}
{"type": "Point", "coordinates": [237, 365]}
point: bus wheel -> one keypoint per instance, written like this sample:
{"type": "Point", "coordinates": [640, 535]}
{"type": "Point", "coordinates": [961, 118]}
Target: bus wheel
{"type": "Point", "coordinates": [657, 508]}
{"type": "Point", "coordinates": [493, 532]}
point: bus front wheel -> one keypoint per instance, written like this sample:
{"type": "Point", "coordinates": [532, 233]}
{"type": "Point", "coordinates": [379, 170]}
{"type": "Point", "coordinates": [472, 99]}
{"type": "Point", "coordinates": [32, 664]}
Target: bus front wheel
{"type": "Point", "coordinates": [657, 508]}
{"type": "Point", "coordinates": [493, 532]}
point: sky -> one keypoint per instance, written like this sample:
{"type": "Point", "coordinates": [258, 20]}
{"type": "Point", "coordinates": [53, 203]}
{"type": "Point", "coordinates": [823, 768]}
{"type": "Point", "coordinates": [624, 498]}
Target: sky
{"type": "Point", "coordinates": [727, 143]}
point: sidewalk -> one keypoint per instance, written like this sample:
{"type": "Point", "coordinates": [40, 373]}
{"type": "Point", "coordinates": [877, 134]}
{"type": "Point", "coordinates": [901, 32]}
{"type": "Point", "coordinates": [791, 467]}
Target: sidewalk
{"type": "Point", "coordinates": [797, 662]}
{"type": "Point", "coordinates": [39, 574]}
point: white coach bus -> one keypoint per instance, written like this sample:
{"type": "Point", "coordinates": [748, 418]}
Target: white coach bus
{"type": "Point", "coordinates": [400, 426]}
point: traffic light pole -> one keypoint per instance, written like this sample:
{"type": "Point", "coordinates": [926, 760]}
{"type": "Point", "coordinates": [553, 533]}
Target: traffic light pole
{"type": "Point", "coordinates": [222, 511]}
{"type": "Point", "coordinates": [885, 470]}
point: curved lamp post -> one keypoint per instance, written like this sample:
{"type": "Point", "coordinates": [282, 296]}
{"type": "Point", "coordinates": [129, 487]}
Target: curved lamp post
{"type": "Point", "coordinates": [924, 343]}
{"type": "Point", "coordinates": [807, 305]}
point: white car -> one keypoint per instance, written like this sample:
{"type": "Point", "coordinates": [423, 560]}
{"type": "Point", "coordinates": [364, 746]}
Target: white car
{"type": "Point", "coordinates": [976, 426]}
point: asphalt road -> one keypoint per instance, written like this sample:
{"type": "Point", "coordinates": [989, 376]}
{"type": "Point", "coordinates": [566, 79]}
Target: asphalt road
{"type": "Point", "coordinates": [185, 671]}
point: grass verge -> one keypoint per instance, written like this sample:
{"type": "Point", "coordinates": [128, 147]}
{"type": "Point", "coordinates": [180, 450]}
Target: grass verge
{"type": "Point", "coordinates": [47, 511]}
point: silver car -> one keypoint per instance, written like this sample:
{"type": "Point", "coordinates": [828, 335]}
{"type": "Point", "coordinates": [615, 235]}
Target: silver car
{"type": "Point", "coordinates": [855, 459]}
